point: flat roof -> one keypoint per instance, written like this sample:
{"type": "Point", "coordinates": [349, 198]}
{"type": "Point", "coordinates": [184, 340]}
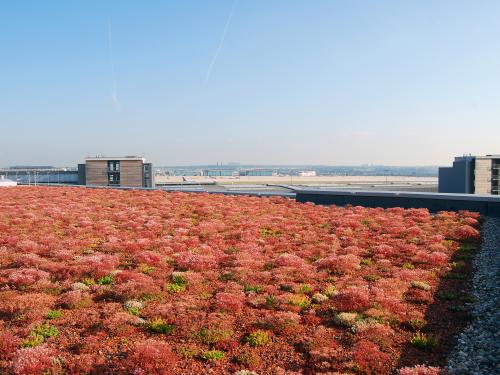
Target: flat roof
{"type": "Point", "coordinates": [104, 158]}
{"type": "Point", "coordinates": [471, 157]}
{"type": "Point", "coordinates": [488, 157]}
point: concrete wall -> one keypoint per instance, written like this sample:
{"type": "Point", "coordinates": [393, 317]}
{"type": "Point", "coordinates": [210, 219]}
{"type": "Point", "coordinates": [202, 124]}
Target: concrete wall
{"type": "Point", "coordinates": [482, 176]}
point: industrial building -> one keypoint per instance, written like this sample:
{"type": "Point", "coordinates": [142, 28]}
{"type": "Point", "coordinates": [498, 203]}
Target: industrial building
{"type": "Point", "coordinates": [307, 173]}
{"type": "Point", "coordinates": [130, 171]}
{"type": "Point", "coordinates": [39, 175]}
{"type": "Point", "coordinates": [471, 175]}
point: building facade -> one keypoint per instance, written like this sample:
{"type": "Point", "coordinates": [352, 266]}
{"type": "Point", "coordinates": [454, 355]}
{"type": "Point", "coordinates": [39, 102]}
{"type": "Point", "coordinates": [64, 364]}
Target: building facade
{"type": "Point", "coordinates": [39, 175]}
{"type": "Point", "coordinates": [471, 175]}
{"type": "Point", "coordinates": [129, 171]}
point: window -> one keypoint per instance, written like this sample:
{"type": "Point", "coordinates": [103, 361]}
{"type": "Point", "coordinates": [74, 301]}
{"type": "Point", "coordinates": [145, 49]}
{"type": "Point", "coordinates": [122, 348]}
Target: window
{"type": "Point", "coordinates": [113, 165]}
{"type": "Point", "coordinates": [113, 172]}
{"type": "Point", "coordinates": [113, 179]}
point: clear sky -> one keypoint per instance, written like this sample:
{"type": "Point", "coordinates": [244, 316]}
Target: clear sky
{"type": "Point", "coordinates": [251, 81]}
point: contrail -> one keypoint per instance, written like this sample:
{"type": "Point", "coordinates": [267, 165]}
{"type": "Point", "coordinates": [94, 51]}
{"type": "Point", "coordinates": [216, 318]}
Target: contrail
{"type": "Point", "coordinates": [221, 42]}
{"type": "Point", "coordinates": [114, 94]}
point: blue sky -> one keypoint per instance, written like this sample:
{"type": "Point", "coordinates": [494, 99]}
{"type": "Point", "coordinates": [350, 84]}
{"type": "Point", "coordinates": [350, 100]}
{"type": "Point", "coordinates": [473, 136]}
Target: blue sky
{"type": "Point", "coordinates": [252, 81]}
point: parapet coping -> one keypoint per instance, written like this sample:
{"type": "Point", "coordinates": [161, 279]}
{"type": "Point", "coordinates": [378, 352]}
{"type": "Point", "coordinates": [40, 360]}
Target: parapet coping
{"type": "Point", "coordinates": [404, 194]}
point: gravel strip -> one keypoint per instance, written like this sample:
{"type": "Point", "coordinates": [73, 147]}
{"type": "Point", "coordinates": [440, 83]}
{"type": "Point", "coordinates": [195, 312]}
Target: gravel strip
{"type": "Point", "coordinates": [478, 347]}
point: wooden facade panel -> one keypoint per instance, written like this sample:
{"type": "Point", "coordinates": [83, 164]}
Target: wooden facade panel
{"type": "Point", "coordinates": [131, 173]}
{"type": "Point", "coordinates": [96, 172]}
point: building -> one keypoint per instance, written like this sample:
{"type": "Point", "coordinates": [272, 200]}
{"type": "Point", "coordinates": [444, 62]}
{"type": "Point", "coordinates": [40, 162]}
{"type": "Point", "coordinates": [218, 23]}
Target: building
{"type": "Point", "coordinates": [40, 175]}
{"type": "Point", "coordinates": [471, 175]}
{"type": "Point", "coordinates": [307, 173]}
{"type": "Point", "coordinates": [459, 178]}
{"type": "Point", "coordinates": [486, 174]}
{"type": "Point", "coordinates": [129, 171]}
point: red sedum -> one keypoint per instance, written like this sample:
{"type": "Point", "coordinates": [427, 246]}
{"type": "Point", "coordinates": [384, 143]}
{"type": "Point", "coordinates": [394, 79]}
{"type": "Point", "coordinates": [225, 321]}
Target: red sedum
{"type": "Point", "coordinates": [109, 281]}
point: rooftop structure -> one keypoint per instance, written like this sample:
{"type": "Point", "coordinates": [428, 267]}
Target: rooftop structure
{"type": "Point", "coordinates": [130, 158]}
{"type": "Point", "coordinates": [32, 167]}
{"type": "Point", "coordinates": [471, 175]}
{"type": "Point", "coordinates": [34, 175]}
{"type": "Point", "coordinates": [130, 171]}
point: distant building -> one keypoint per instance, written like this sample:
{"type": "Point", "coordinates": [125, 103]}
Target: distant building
{"type": "Point", "coordinates": [130, 171]}
{"type": "Point", "coordinates": [471, 175]}
{"type": "Point", "coordinates": [307, 173]}
{"type": "Point", "coordinates": [41, 175]}
{"type": "Point", "coordinates": [32, 167]}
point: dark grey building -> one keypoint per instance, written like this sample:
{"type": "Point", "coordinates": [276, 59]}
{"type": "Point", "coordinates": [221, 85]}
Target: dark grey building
{"type": "Point", "coordinates": [459, 178]}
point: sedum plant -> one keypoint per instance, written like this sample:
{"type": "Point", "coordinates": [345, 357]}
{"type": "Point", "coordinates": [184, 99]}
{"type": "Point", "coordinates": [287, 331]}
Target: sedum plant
{"type": "Point", "coordinates": [105, 280]}
{"type": "Point", "coordinates": [45, 330]}
{"type": "Point", "coordinates": [300, 300]}
{"type": "Point", "coordinates": [424, 341]}
{"type": "Point", "coordinates": [258, 338]}
{"type": "Point", "coordinates": [212, 336]}
{"type": "Point", "coordinates": [212, 355]}
{"type": "Point", "coordinates": [53, 314]}
{"type": "Point", "coordinates": [158, 325]}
